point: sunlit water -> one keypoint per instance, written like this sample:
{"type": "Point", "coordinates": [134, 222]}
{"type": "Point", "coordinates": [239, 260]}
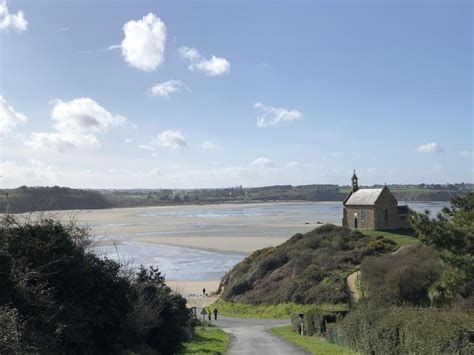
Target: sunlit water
{"type": "Point", "coordinates": [179, 263]}
{"type": "Point", "coordinates": [176, 263]}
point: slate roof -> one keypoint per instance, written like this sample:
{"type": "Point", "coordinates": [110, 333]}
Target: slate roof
{"type": "Point", "coordinates": [403, 209]}
{"type": "Point", "coordinates": [363, 197]}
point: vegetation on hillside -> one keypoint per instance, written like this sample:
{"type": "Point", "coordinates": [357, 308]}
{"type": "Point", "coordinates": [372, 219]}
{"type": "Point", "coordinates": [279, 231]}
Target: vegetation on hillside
{"type": "Point", "coordinates": [309, 268]}
{"type": "Point", "coordinates": [57, 297]}
{"type": "Point", "coordinates": [402, 278]}
{"type": "Point", "coordinates": [239, 194]}
{"type": "Point", "coordinates": [279, 311]}
{"type": "Point", "coordinates": [27, 199]}
{"type": "Point", "coordinates": [451, 233]}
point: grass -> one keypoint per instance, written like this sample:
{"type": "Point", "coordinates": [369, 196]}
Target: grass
{"type": "Point", "coordinates": [207, 340]}
{"type": "Point", "coordinates": [401, 236]}
{"type": "Point", "coordinates": [282, 310]}
{"type": "Point", "coordinates": [315, 345]}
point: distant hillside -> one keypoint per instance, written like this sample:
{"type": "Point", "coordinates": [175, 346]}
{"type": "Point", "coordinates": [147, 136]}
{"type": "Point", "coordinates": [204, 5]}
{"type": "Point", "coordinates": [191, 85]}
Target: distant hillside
{"type": "Point", "coordinates": [26, 199]}
{"type": "Point", "coordinates": [239, 194]}
{"type": "Point", "coordinates": [308, 268]}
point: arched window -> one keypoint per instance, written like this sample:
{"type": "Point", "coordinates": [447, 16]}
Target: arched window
{"type": "Point", "coordinates": [386, 214]}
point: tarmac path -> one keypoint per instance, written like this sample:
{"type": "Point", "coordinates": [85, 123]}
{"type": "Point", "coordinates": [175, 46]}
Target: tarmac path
{"type": "Point", "coordinates": [252, 336]}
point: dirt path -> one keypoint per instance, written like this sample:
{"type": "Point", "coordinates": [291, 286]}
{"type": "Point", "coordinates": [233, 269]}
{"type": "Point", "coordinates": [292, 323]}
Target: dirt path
{"type": "Point", "coordinates": [352, 281]}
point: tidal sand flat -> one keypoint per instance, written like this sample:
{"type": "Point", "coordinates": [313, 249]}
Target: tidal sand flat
{"type": "Point", "coordinates": [238, 228]}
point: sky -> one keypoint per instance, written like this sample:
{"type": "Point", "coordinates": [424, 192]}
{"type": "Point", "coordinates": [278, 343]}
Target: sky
{"type": "Point", "coordinates": [191, 94]}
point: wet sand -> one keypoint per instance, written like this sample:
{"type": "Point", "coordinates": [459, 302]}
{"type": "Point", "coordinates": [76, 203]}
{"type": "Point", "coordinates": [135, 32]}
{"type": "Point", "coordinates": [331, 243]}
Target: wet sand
{"type": "Point", "coordinates": [233, 244]}
{"type": "Point", "coordinates": [211, 227]}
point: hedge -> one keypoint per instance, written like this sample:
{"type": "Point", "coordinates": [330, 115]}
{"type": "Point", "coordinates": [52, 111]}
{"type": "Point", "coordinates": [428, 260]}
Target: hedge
{"type": "Point", "coordinates": [313, 321]}
{"type": "Point", "coordinates": [396, 330]}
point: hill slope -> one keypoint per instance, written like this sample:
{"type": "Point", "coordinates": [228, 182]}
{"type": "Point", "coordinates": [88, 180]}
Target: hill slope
{"type": "Point", "coordinates": [308, 268]}
{"type": "Point", "coordinates": [27, 199]}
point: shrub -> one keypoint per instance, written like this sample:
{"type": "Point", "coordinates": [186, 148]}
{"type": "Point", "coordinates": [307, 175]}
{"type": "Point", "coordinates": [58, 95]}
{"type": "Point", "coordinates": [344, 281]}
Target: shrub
{"type": "Point", "coordinates": [376, 329]}
{"type": "Point", "coordinates": [404, 277]}
{"type": "Point", "coordinates": [314, 321]}
{"type": "Point", "coordinates": [296, 322]}
{"type": "Point", "coordinates": [56, 297]}
{"type": "Point", "coordinates": [11, 331]}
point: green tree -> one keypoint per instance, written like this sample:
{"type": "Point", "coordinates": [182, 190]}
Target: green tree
{"type": "Point", "coordinates": [160, 318]}
{"type": "Point", "coordinates": [58, 297]}
{"type": "Point", "coordinates": [452, 234]}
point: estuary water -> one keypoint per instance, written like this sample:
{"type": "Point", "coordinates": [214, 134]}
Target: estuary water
{"type": "Point", "coordinates": [142, 236]}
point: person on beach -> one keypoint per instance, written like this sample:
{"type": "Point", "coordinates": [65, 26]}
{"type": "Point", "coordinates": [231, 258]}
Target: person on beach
{"type": "Point", "coordinates": [204, 292]}
{"type": "Point", "coordinates": [209, 313]}
{"type": "Point", "coordinates": [215, 313]}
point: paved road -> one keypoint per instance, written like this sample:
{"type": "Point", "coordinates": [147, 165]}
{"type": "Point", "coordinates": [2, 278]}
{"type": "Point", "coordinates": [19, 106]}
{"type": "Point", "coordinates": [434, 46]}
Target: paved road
{"type": "Point", "coordinates": [251, 336]}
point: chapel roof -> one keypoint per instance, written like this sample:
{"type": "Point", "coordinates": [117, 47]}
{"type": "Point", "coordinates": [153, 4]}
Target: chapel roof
{"type": "Point", "coordinates": [363, 197]}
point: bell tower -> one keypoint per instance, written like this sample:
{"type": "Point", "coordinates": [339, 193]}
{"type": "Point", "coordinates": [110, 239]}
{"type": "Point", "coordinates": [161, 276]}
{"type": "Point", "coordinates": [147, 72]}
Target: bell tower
{"type": "Point", "coordinates": [355, 182]}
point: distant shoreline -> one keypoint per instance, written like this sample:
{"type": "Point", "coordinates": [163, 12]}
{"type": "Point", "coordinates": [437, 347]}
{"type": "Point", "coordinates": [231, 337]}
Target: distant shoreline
{"type": "Point", "coordinates": [26, 199]}
{"type": "Point", "coordinates": [205, 204]}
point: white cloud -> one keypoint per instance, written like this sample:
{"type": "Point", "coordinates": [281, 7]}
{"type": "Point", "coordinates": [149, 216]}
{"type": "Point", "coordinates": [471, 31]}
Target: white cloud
{"type": "Point", "coordinates": [34, 172]}
{"type": "Point", "coordinates": [61, 141]}
{"type": "Point", "coordinates": [212, 67]}
{"type": "Point", "coordinates": [83, 115]}
{"type": "Point", "coordinates": [143, 46]}
{"type": "Point", "coordinates": [432, 147]}
{"type": "Point", "coordinates": [128, 140]}
{"type": "Point", "coordinates": [76, 124]}
{"type": "Point", "coordinates": [270, 116]}
{"type": "Point", "coordinates": [262, 163]}
{"type": "Point", "coordinates": [9, 118]}
{"type": "Point", "coordinates": [208, 145]}
{"type": "Point", "coordinates": [166, 88]}
{"type": "Point", "coordinates": [14, 21]}
{"type": "Point", "coordinates": [170, 139]}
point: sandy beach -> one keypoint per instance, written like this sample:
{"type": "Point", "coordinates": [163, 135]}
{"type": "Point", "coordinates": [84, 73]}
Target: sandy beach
{"type": "Point", "coordinates": [192, 291]}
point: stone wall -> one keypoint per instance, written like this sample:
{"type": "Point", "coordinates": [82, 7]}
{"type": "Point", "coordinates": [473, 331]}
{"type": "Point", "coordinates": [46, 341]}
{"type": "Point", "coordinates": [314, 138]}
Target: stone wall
{"type": "Point", "coordinates": [404, 223]}
{"type": "Point", "coordinates": [386, 201]}
{"type": "Point", "coordinates": [353, 212]}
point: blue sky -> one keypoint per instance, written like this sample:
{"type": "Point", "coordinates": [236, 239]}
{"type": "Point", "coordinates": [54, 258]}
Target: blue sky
{"type": "Point", "coordinates": [381, 87]}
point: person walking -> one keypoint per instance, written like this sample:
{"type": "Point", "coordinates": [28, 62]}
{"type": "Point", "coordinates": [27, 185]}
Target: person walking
{"type": "Point", "coordinates": [209, 313]}
{"type": "Point", "coordinates": [203, 292]}
{"type": "Point", "coordinates": [215, 313]}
